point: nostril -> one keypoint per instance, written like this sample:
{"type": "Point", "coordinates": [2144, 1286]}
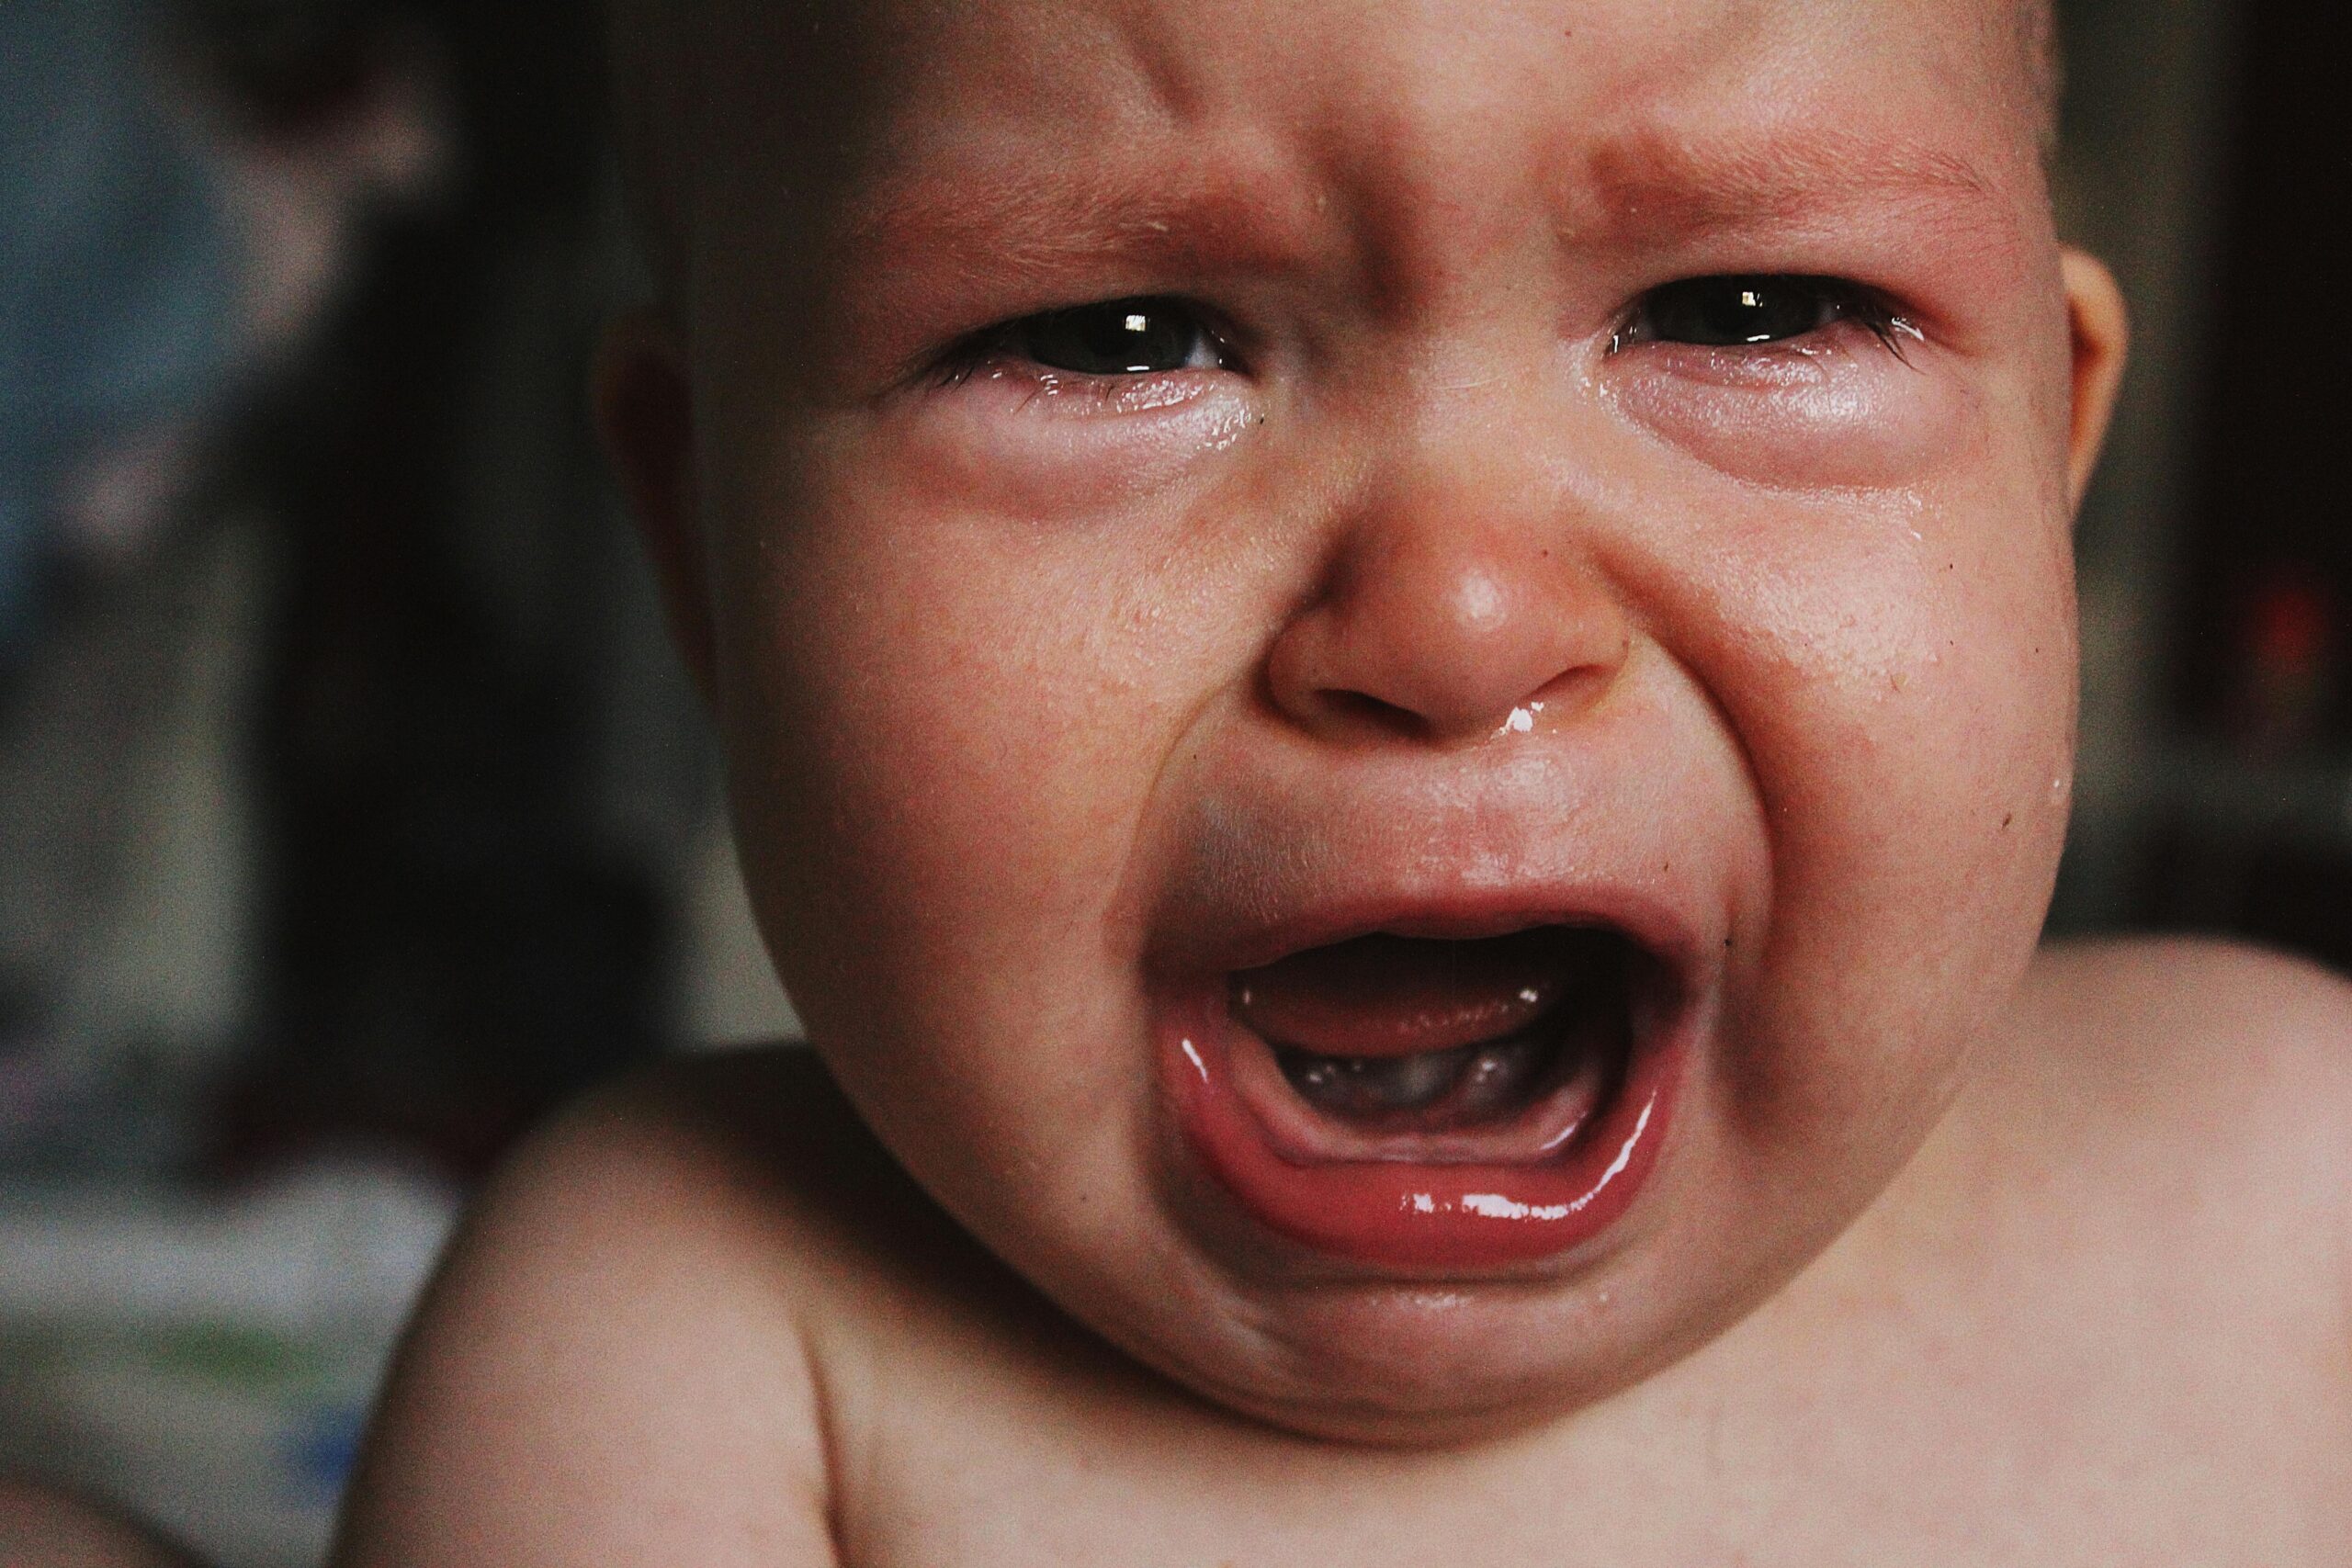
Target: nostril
{"type": "Point", "coordinates": [1362, 710]}
{"type": "Point", "coordinates": [1575, 690]}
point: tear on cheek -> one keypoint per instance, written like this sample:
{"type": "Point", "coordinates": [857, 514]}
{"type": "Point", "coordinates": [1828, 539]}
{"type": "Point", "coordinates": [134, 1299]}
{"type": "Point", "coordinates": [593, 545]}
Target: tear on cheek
{"type": "Point", "coordinates": [1803, 424]}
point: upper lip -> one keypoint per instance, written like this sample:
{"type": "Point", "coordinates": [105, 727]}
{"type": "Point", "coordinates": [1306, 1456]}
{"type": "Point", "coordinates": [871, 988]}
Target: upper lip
{"type": "Point", "coordinates": [1251, 934]}
{"type": "Point", "coordinates": [1281, 854]}
{"type": "Point", "coordinates": [1455, 915]}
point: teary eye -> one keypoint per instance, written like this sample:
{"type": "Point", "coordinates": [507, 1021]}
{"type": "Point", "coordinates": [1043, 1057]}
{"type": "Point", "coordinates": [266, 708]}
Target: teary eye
{"type": "Point", "coordinates": [1748, 312]}
{"type": "Point", "coordinates": [1118, 337]}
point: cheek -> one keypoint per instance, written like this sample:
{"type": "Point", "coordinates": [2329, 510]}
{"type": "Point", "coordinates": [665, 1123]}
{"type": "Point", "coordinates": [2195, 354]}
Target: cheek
{"type": "Point", "coordinates": [1899, 668]}
{"type": "Point", "coordinates": [942, 761]}
{"type": "Point", "coordinates": [945, 729]}
{"type": "Point", "coordinates": [946, 718]}
{"type": "Point", "coordinates": [930, 808]}
{"type": "Point", "coordinates": [1878, 589]}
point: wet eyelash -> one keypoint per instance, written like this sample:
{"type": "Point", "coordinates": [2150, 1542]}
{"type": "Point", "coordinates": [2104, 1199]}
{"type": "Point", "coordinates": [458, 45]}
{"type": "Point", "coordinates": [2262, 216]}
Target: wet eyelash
{"type": "Point", "coordinates": [1882, 321]}
{"type": "Point", "coordinates": [1847, 301]}
{"type": "Point", "coordinates": [964, 359]}
{"type": "Point", "coordinates": [1108, 340]}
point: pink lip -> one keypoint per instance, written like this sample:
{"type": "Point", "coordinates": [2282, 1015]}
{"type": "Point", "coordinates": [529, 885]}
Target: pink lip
{"type": "Point", "coordinates": [1425, 1217]}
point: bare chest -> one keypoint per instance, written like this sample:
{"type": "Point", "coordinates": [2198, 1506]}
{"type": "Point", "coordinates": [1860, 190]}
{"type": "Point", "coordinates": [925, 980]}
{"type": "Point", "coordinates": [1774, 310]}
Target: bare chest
{"type": "Point", "coordinates": [1971, 1449]}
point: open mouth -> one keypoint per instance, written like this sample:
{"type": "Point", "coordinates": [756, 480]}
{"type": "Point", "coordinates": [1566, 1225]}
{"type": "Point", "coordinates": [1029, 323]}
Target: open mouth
{"type": "Point", "coordinates": [1424, 1049]}
{"type": "Point", "coordinates": [1433, 1101]}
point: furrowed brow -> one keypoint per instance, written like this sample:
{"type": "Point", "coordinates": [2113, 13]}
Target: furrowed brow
{"type": "Point", "coordinates": [1659, 188]}
{"type": "Point", "coordinates": [1031, 226]}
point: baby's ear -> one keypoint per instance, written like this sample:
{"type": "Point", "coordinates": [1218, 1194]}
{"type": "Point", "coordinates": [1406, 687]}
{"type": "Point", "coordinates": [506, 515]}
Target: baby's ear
{"type": "Point", "coordinates": [2100, 328]}
{"type": "Point", "coordinates": [644, 410]}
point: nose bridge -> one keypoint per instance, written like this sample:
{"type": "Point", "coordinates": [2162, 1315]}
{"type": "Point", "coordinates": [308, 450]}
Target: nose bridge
{"type": "Point", "coordinates": [1464, 598]}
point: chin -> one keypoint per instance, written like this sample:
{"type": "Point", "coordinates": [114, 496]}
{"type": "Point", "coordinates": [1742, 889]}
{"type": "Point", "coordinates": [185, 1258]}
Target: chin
{"type": "Point", "coordinates": [1403, 1366]}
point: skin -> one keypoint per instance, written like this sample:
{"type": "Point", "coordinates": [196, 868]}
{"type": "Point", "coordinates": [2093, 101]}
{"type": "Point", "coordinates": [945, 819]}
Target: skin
{"type": "Point", "coordinates": [41, 1527]}
{"type": "Point", "coordinates": [1035, 695]}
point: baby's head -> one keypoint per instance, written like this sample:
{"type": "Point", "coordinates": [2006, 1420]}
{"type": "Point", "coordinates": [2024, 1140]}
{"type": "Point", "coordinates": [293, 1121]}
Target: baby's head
{"type": "Point", "coordinates": [1399, 677]}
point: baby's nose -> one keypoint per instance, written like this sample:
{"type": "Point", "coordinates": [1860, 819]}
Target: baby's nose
{"type": "Point", "coordinates": [1451, 623]}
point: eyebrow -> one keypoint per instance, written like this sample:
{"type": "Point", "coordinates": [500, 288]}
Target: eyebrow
{"type": "Point", "coordinates": [1013, 223]}
{"type": "Point", "coordinates": [1028, 225]}
{"type": "Point", "coordinates": [1655, 187]}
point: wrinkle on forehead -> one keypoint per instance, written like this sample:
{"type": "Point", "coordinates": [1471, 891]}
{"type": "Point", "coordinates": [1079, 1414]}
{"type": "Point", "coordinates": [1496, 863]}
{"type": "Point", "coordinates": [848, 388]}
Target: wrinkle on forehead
{"type": "Point", "coordinates": [841, 93]}
{"type": "Point", "coordinates": [1199, 211]}
{"type": "Point", "coordinates": [1659, 186]}
{"type": "Point", "coordinates": [1243, 207]}
{"type": "Point", "coordinates": [1179, 175]}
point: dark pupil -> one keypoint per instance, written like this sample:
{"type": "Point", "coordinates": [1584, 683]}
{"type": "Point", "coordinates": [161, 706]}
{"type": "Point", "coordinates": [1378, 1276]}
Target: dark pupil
{"type": "Point", "coordinates": [1725, 312]}
{"type": "Point", "coordinates": [1125, 337]}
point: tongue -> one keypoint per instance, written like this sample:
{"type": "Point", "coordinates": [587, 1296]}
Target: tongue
{"type": "Point", "coordinates": [1391, 995]}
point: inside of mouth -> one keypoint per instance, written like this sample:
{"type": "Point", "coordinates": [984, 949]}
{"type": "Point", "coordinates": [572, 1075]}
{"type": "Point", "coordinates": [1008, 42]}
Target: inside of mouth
{"type": "Point", "coordinates": [1404, 1033]}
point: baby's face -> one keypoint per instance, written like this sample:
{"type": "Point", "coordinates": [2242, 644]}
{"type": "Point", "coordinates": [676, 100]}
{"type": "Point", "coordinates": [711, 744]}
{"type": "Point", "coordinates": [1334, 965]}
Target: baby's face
{"type": "Point", "coordinates": [1399, 676]}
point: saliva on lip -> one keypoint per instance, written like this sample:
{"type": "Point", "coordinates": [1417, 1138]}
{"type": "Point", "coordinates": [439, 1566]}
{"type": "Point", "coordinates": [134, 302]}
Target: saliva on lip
{"type": "Point", "coordinates": [1434, 1103]}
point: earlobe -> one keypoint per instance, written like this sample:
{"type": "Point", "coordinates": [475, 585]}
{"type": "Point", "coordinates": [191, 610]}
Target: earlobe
{"type": "Point", "coordinates": [2099, 330]}
{"type": "Point", "coordinates": [644, 411]}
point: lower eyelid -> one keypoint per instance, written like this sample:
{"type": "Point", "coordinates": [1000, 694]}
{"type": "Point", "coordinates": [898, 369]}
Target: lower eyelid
{"type": "Point", "coordinates": [1003, 440]}
{"type": "Point", "coordinates": [1079, 394]}
{"type": "Point", "coordinates": [1843, 340]}
{"type": "Point", "coordinates": [1842, 413]}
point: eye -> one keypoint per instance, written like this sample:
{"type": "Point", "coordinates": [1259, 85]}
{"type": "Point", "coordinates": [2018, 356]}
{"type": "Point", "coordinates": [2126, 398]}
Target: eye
{"type": "Point", "coordinates": [1748, 311]}
{"type": "Point", "coordinates": [1118, 337]}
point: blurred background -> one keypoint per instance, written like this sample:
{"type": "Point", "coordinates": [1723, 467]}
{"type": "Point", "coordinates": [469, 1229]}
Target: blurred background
{"type": "Point", "coordinates": [352, 813]}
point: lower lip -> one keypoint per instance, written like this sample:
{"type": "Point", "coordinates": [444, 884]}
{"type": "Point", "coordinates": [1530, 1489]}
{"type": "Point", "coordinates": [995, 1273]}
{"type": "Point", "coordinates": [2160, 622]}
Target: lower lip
{"type": "Point", "coordinates": [1412, 1216]}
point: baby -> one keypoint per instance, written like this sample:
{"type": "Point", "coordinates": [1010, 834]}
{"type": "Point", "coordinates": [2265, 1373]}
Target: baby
{"type": "Point", "coordinates": [1399, 682]}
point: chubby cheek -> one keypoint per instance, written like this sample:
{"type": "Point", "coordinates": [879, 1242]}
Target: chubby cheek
{"type": "Point", "coordinates": [948, 704]}
{"type": "Point", "coordinates": [1905, 692]}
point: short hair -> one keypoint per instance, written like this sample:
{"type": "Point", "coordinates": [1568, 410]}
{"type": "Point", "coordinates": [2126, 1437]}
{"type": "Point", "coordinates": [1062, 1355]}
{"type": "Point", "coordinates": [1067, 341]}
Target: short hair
{"type": "Point", "coordinates": [661, 54]}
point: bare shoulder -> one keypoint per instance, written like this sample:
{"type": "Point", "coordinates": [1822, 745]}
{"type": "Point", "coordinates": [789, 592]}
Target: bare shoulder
{"type": "Point", "coordinates": [611, 1365]}
{"type": "Point", "coordinates": [2203, 983]}
{"type": "Point", "coordinates": [2187, 1027]}
{"type": "Point", "coordinates": [2207, 1079]}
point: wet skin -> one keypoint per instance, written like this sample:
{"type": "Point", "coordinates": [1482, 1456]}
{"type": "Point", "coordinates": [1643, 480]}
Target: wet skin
{"type": "Point", "coordinates": [1048, 694]}
{"type": "Point", "coordinates": [1442, 586]}
{"type": "Point", "coordinates": [1439, 584]}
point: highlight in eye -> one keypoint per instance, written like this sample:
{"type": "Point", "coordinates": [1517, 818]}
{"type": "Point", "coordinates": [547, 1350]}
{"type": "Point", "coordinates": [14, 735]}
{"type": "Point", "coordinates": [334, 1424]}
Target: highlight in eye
{"type": "Point", "coordinates": [1757, 310]}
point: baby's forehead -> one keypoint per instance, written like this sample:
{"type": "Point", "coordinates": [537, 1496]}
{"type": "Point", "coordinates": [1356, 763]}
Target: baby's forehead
{"type": "Point", "coordinates": [915, 60]}
{"type": "Point", "coordinates": [823, 100]}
